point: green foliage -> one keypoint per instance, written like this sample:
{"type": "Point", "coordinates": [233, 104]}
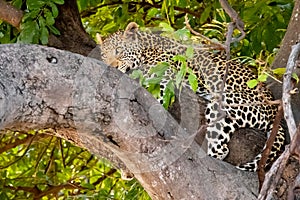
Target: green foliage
{"type": "Point", "coordinates": [48, 161]}
{"type": "Point", "coordinates": [39, 21]}
{"type": "Point", "coordinates": [265, 23]}
{"type": "Point", "coordinates": [280, 72]}
{"type": "Point", "coordinates": [41, 163]}
{"type": "Point", "coordinates": [158, 72]}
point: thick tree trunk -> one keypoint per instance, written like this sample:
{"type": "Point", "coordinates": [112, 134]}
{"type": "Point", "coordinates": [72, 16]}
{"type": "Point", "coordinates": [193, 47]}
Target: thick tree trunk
{"type": "Point", "coordinates": [291, 37]}
{"type": "Point", "coordinates": [73, 36]}
{"type": "Point", "coordinates": [103, 110]}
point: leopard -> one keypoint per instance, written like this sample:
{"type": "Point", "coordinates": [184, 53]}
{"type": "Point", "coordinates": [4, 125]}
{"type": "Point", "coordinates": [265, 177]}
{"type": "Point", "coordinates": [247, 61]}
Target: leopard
{"type": "Point", "coordinates": [232, 105]}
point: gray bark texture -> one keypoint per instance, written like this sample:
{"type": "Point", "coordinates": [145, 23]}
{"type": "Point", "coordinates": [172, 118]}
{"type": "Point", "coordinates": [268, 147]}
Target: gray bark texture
{"type": "Point", "coordinates": [291, 37]}
{"type": "Point", "coordinates": [99, 108]}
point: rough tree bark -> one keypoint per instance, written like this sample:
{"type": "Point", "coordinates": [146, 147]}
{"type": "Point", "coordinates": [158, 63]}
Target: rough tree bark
{"type": "Point", "coordinates": [291, 37]}
{"type": "Point", "coordinates": [38, 101]}
{"type": "Point", "coordinates": [73, 36]}
{"type": "Point", "coordinates": [103, 110]}
{"type": "Point", "coordinates": [10, 14]}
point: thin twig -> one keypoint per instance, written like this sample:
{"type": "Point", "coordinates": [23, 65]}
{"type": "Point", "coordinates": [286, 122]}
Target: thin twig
{"type": "Point", "coordinates": [235, 18]}
{"type": "Point", "coordinates": [267, 150]}
{"type": "Point", "coordinates": [273, 176]}
{"type": "Point", "coordinates": [237, 23]}
{"type": "Point", "coordinates": [144, 4]}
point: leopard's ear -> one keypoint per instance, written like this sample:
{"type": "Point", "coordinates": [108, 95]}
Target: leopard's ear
{"type": "Point", "coordinates": [131, 29]}
{"type": "Point", "coordinates": [99, 39]}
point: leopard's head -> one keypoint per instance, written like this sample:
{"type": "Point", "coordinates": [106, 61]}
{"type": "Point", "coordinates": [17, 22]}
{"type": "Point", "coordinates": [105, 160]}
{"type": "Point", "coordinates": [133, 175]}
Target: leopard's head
{"type": "Point", "coordinates": [121, 49]}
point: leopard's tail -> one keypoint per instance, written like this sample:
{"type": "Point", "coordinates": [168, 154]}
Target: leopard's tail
{"type": "Point", "coordinates": [276, 150]}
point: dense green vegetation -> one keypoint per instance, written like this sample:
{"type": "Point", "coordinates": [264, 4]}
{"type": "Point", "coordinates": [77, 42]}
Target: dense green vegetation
{"type": "Point", "coordinates": [38, 163]}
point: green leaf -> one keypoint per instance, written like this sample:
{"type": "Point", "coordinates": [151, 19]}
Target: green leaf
{"type": "Point", "coordinates": [42, 22]}
{"type": "Point", "coordinates": [179, 58]}
{"type": "Point", "coordinates": [53, 30]}
{"type": "Point", "coordinates": [279, 71]}
{"type": "Point", "coordinates": [109, 26]}
{"type": "Point", "coordinates": [262, 78]}
{"type": "Point", "coordinates": [189, 52]}
{"type": "Point", "coordinates": [279, 17]}
{"type": "Point", "coordinates": [193, 81]}
{"type": "Point", "coordinates": [180, 75]}
{"type": "Point", "coordinates": [205, 14]}
{"type": "Point", "coordinates": [82, 5]}
{"type": "Point", "coordinates": [49, 17]}
{"type": "Point", "coordinates": [35, 4]}
{"type": "Point", "coordinates": [153, 81]}
{"type": "Point", "coordinates": [44, 35]}
{"type": "Point", "coordinates": [154, 89]}
{"type": "Point", "coordinates": [29, 30]}
{"type": "Point", "coordinates": [4, 196]}
{"type": "Point", "coordinates": [88, 186]}
{"type": "Point", "coordinates": [30, 15]}
{"type": "Point", "coordinates": [166, 27]}
{"type": "Point", "coordinates": [252, 83]}
{"type": "Point", "coordinates": [182, 34]}
{"type": "Point", "coordinates": [159, 69]}
{"type": "Point", "coordinates": [60, 2]}
{"type": "Point", "coordinates": [17, 3]}
{"type": "Point", "coordinates": [152, 12]}
{"type": "Point", "coordinates": [295, 76]}
{"type": "Point", "coordinates": [54, 9]}
{"type": "Point", "coordinates": [169, 94]}
{"type": "Point", "coordinates": [137, 74]}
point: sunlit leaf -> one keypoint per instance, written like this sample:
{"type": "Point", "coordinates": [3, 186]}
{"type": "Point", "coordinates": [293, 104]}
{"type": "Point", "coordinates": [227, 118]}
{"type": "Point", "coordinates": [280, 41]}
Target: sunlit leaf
{"type": "Point", "coordinates": [252, 83]}
{"type": "Point", "coordinates": [262, 77]}
{"type": "Point", "coordinates": [279, 71]}
{"type": "Point", "coordinates": [166, 27]}
{"type": "Point", "coordinates": [189, 52]}
{"type": "Point", "coordinates": [169, 94]}
{"type": "Point", "coordinates": [193, 81]}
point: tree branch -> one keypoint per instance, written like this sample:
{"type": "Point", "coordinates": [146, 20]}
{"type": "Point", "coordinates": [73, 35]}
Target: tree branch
{"type": "Point", "coordinates": [82, 99]}
{"type": "Point", "coordinates": [287, 88]}
{"type": "Point", "coordinates": [273, 176]}
{"type": "Point", "coordinates": [10, 14]}
{"type": "Point", "coordinates": [91, 11]}
{"type": "Point", "coordinates": [18, 142]}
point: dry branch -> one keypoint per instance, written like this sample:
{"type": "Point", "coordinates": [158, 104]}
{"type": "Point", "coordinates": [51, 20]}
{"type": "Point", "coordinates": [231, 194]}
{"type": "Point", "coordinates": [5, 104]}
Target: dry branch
{"type": "Point", "coordinates": [287, 88]}
{"type": "Point", "coordinates": [273, 176]}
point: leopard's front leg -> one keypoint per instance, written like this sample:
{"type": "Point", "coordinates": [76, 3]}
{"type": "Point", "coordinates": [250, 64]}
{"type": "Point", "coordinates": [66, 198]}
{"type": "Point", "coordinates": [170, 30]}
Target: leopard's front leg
{"type": "Point", "coordinates": [219, 131]}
